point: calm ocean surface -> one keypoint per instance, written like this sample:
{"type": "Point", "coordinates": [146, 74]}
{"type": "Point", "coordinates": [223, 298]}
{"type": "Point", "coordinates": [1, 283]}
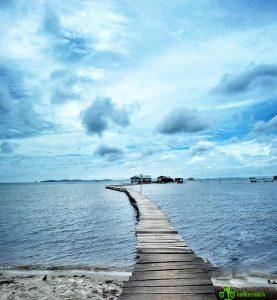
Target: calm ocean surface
{"type": "Point", "coordinates": [230, 223]}
{"type": "Point", "coordinates": [65, 224]}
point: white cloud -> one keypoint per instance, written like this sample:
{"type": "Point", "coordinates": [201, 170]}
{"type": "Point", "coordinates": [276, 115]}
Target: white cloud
{"type": "Point", "coordinates": [201, 149]}
{"type": "Point", "coordinates": [266, 128]}
{"type": "Point", "coordinates": [244, 150]}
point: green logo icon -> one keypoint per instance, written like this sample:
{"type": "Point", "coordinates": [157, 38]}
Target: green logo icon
{"type": "Point", "coordinates": [227, 293]}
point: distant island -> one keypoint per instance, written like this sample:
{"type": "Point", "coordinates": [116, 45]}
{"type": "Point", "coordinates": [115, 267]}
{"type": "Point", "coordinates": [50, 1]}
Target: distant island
{"type": "Point", "coordinates": [75, 180]}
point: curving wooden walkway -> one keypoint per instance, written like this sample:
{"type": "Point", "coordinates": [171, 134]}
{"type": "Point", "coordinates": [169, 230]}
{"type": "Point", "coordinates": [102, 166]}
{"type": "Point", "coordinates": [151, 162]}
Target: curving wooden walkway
{"type": "Point", "coordinates": [166, 268]}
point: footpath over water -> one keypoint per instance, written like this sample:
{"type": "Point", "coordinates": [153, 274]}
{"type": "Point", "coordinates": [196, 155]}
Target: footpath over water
{"type": "Point", "coordinates": [166, 268]}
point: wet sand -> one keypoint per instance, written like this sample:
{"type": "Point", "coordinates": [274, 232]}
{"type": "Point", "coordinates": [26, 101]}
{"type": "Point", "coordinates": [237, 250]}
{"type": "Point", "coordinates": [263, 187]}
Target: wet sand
{"type": "Point", "coordinates": [60, 285]}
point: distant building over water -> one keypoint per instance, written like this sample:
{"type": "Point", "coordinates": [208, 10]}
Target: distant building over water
{"type": "Point", "coordinates": [179, 180]}
{"type": "Point", "coordinates": [138, 179]}
{"type": "Point", "coordinates": [141, 179]}
{"type": "Point", "coordinates": [165, 179]}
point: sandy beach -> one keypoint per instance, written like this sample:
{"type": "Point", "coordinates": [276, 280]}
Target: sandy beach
{"type": "Point", "coordinates": [80, 284]}
{"type": "Point", "coordinates": [60, 285]}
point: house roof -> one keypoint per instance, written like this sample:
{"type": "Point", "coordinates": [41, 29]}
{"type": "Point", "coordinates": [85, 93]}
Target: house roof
{"type": "Point", "coordinates": [141, 176]}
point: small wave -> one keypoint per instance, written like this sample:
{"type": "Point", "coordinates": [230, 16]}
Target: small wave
{"type": "Point", "coordinates": [65, 268]}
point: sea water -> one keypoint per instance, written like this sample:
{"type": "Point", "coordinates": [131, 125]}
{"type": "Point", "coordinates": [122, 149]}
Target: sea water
{"type": "Point", "coordinates": [83, 225]}
{"type": "Point", "coordinates": [231, 223]}
{"type": "Point", "coordinates": [65, 225]}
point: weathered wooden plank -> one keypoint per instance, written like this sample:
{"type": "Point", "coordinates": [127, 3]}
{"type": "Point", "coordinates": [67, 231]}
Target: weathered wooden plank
{"type": "Point", "coordinates": [168, 273]}
{"type": "Point", "coordinates": [154, 226]}
{"type": "Point", "coordinates": [159, 237]}
{"type": "Point", "coordinates": [156, 231]}
{"type": "Point", "coordinates": [168, 282]}
{"type": "Point", "coordinates": [162, 246]}
{"type": "Point", "coordinates": [167, 297]}
{"type": "Point", "coordinates": [162, 250]}
{"type": "Point", "coordinates": [145, 241]}
{"type": "Point", "coordinates": [171, 266]}
{"type": "Point", "coordinates": [172, 274]}
{"type": "Point", "coordinates": [166, 257]}
{"type": "Point", "coordinates": [153, 217]}
{"type": "Point", "coordinates": [199, 289]}
{"type": "Point", "coordinates": [169, 237]}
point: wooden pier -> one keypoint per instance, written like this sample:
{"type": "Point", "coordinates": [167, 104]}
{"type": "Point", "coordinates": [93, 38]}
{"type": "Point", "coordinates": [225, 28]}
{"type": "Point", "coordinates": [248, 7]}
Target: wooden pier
{"type": "Point", "coordinates": [166, 268]}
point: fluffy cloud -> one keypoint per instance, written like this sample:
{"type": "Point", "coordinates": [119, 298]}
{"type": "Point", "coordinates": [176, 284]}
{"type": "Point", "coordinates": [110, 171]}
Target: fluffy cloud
{"type": "Point", "coordinates": [67, 44]}
{"type": "Point", "coordinates": [60, 95]}
{"type": "Point", "coordinates": [201, 148]}
{"type": "Point", "coordinates": [265, 128]}
{"type": "Point", "coordinates": [18, 117]}
{"type": "Point", "coordinates": [109, 152]}
{"type": "Point", "coordinates": [261, 76]}
{"type": "Point", "coordinates": [67, 85]}
{"type": "Point", "coordinates": [102, 114]}
{"type": "Point", "coordinates": [183, 121]}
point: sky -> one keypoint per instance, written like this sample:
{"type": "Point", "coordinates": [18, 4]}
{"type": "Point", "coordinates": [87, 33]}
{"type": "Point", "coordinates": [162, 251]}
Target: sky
{"type": "Point", "coordinates": [109, 89]}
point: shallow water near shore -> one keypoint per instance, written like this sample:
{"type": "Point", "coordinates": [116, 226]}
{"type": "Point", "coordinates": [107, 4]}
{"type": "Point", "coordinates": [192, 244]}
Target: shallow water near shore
{"type": "Point", "coordinates": [65, 226]}
{"type": "Point", "coordinates": [83, 226]}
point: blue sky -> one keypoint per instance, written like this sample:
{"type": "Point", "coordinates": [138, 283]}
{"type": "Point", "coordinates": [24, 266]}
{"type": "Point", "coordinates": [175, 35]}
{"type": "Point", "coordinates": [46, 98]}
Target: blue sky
{"type": "Point", "coordinates": [108, 89]}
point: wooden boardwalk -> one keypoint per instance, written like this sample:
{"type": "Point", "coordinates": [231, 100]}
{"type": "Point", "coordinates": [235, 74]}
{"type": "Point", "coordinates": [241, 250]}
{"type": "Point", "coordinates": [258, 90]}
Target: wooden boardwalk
{"type": "Point", "coordinates": [166, 268]}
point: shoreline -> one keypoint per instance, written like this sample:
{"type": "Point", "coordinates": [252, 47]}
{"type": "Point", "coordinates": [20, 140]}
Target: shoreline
{"type": "Point", "coordinates": [219, 277]}
{"type": "Point", "coordinates": [88, 284]}
{"type": "Point", "coordinates": [61, 284]}
{"type": "Point", "coordinates": [101, 275]}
